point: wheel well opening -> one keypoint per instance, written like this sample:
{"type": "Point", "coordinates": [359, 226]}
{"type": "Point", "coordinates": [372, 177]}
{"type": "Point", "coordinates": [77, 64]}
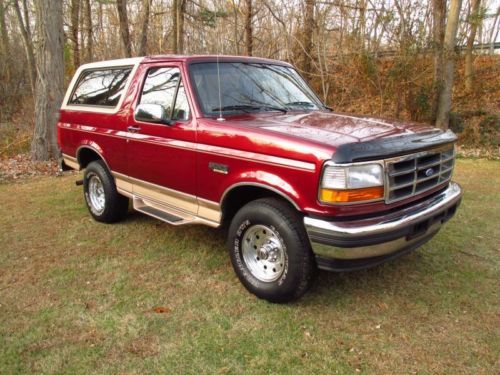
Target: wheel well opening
{"type": "Point", "coordinates": [242, 195]}
{"type": "Point", "coordinates": [86, 155]}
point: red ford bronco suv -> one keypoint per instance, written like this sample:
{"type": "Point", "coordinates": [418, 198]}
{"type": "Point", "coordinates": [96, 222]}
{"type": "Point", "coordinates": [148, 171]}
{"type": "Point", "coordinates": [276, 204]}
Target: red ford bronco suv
{"type": "Point", "coordinates": [245, 141]}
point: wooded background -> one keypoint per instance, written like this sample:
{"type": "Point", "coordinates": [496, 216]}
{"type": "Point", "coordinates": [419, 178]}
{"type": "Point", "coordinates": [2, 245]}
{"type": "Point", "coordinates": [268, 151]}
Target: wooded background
{"type": "Point", "coordinates": [392, 58]}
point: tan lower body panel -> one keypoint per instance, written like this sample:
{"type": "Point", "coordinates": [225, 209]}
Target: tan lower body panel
{"type": "Point", "coordinates": [191, 209]}
{"type": "Point", "coordinates": [71, 162]}
{"type": "Point", "coordinates": [209, 210]}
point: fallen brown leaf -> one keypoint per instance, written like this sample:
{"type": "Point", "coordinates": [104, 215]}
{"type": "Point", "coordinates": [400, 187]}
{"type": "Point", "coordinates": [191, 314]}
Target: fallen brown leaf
{"type": "Point", "coordinates": [161, 310]}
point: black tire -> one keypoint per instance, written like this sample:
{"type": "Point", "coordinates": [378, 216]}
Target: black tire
{"type": "Point", "coordinates": [114, 206]}
{"type": "Point", "coordinates": [290, 279]}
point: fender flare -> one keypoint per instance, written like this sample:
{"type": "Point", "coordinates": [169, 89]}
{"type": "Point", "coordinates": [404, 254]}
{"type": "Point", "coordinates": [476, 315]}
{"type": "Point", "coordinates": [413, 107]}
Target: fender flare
{"type": "Point", "coordinates": [260, 185]}
{"type": "Point", "coordinates": [93, 149]}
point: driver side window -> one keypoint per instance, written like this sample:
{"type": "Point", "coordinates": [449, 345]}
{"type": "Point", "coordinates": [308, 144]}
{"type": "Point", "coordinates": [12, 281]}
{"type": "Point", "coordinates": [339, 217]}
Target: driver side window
{"type": "Point", "coordinates": [164, 86]}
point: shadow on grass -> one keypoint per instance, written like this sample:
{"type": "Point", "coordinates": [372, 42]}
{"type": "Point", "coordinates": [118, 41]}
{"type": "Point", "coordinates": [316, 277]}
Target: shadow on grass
{"type": "Point", "coordinates": [194, 230]}
{"type": "Point", "coordinates": [424, 274]}
{"type": "Point", "coordinates": [329, 288]}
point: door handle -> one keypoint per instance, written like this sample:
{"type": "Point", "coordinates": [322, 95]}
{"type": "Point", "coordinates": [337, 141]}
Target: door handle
{"type": "Point", "coordinates": [133, 129]}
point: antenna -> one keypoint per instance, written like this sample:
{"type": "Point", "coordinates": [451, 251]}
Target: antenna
{"type": "Point", "coordinates": [220, 118]}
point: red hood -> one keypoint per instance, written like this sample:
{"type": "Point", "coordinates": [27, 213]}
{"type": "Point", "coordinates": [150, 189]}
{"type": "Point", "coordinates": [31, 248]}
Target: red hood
{"type": "Point", "coordinates": [334, 129]}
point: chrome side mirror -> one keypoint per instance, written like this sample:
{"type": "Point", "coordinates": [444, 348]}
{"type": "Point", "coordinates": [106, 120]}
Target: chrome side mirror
{"type": "Point", "coordinates": [155, 113]}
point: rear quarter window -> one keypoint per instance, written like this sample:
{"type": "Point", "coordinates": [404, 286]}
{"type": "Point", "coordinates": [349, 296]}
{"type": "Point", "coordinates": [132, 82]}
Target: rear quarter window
{"type": "Point", "coordinates": [100, 87]}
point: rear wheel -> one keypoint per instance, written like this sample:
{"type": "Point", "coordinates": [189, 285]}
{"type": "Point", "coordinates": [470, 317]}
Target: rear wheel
{"type": "Point", "coordinates": [270, 252]}
{"type": "Point", "coordinates": [104, 202]}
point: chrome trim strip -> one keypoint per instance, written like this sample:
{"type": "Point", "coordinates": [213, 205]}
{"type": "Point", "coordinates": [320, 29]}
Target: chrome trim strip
{"type": "Point", "coordinates": [161, 141]}
{"type": "Point", "coordinates": [244, 155]}
{"type": "Point", "coordinates": [94, 130]}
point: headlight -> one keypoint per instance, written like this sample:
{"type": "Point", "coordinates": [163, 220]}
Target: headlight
{"type": "Point", "coordinates": [353, 183]}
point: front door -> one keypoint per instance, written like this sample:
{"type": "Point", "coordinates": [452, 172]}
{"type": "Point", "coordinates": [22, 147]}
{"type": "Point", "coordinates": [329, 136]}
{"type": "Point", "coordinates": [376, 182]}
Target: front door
{"type": "Point", "coordinates": [161, 158]}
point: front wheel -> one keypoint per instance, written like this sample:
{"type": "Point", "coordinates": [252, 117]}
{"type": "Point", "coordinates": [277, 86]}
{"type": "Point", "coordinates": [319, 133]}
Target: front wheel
{"type": "Point", "coordinates": [270, 251]}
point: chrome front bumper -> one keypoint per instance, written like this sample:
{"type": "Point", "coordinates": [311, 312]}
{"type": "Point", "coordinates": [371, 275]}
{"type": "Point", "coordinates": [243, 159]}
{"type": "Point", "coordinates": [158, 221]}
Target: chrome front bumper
{"type": "Point", "coordinates": [353, 243]}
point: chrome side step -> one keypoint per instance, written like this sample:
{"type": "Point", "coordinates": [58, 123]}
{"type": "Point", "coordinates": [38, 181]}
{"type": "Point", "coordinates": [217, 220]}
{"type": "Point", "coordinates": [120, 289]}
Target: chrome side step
{"type": "Point", "coordinates": [162, 212]}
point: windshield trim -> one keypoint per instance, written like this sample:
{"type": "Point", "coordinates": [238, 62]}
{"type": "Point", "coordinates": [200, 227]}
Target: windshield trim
{"type": "Point", "coordinates": [321, 106]}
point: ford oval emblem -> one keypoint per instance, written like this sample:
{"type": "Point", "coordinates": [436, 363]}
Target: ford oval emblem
{"type": "Point", "coordinates": [429, 172]}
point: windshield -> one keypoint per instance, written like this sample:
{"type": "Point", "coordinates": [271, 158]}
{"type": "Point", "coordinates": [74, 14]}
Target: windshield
{"type": "Point", "coordinates": [251, 87]}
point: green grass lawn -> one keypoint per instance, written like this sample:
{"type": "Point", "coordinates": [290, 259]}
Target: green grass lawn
{"type": "Point", "coordinates": [141, 296]}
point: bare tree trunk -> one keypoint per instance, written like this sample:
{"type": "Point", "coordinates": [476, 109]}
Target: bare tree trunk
{"type": "Point", "coordinates": [438, 30]}
{"type": "Point", "coordinates": [444, 105]}
{"type": "Point", "coordinates": [81, 33]}
{"type": "Point", "coordinates": [50, 83]}
{"type": "Point", "coordinates": [248, 28]}
{"type": "Point", "coordinates": [178, 14]}
{"type": "Point", "coordinates": [235, 32]}
{"type": "Point", "coordinates": [362, 24]}
{"type": "Point", "coordinates": [175, 10]}
{"type": "Point", "coordinates": [145, 26]}
{"type": "Point", "coordinates": [3, 30]}
{"type": "Point", "coordinates": [75, 18]}
{"type": "Point", "coordinates": [100, 18]}
{"type": "Point", "coordinates": [89, 31]}
{"type": "Point", "coordinates": [180, 25]}
{"type": "Point", "coordinates": [307, 41]}
{"type": "Point", "coordinates": [473, 21]}
{"type": "Point", "coordinates": [121, 6]}
{"type": "Point", "coordinates": [27, 41]}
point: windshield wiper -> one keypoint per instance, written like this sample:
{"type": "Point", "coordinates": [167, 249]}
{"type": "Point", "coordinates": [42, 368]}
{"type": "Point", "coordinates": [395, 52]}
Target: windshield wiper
{"type": "Point", "coordinates": [239, 107]}
{"type": "Point", "coordinates": [273, 108]}
{"type": "Point", "coordinates": [308, 105]}
{"type": "Point", "coordinates": [248, 108]}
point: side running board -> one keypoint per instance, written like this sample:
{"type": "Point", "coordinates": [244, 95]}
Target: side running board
{"type": "Point", "coordinates": [162, 212]}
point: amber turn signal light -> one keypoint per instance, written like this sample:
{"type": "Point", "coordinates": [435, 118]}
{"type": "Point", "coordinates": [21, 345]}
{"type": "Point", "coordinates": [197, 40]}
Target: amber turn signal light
{"type": "Point", "coordinates": [354, 195]}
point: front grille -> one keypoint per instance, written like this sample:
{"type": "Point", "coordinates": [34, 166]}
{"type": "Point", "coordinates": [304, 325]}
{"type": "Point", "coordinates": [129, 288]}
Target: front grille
{"type": "Point", "coordinates": [413, 174]}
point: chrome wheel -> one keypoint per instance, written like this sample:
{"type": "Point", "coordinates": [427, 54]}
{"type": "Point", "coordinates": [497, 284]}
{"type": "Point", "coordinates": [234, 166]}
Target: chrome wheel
{"type": "Point", "coordinates": [97, 198]}
{"type": "Point", "coordinates": [263, 253]}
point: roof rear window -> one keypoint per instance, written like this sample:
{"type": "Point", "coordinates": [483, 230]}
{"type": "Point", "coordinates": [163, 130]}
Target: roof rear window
{"type": "Point", "coordinates": [100, 87]}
